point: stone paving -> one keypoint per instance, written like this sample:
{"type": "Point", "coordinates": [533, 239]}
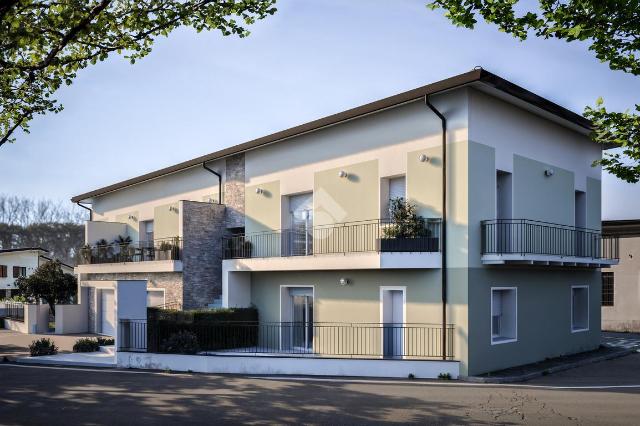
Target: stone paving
{"type": "Point", "coordinates": [621, 340]}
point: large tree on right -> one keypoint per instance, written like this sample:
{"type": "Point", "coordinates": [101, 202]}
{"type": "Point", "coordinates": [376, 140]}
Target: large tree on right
{"type": "Point", "coordinates": [612, 27]}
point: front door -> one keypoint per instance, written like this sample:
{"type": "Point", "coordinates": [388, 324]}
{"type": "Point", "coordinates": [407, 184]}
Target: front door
{"type": "Point", "coordinates": [302, 319]}
{"type": "Point", "coordinates": [393, 323]}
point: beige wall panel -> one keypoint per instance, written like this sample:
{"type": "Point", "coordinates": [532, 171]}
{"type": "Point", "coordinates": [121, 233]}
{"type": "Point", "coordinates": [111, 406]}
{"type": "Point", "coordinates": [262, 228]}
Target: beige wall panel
{"type": "Point", "coordinates": [347, 199]}
{"type": "Point", "coordinates": [166, 221]}
{"type": "Point", "coordinates": [424, 181]}
{"type": "Point", "coordinates": [130, 219]}
{"type": "Point", "coordinates": [594, 203]}
{"type": "Point", "coordinates": [482, 196]}
{"type": "Point", "coordinates": [539, 197]}
{"type": "Point", "coordinates": [262, 210]}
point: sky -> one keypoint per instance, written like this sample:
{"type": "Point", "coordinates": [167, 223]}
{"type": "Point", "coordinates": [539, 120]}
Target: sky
{"type": "Point", "coordinates": [198, 93]}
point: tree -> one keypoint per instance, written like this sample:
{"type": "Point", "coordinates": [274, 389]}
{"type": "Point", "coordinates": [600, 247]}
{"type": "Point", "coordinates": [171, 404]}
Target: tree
{"type": "Point", "coordinates": [612, 27]}
{"type": "Point", "coordinates": [44, 43]}
{"type": "Point", "coordinates": [49, 283]}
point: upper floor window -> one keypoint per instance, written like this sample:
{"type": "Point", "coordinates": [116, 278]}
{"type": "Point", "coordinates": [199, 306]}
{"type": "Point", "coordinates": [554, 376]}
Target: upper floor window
{"type": "Point", "coordinates": [19, 271]}
{"type": "Point", "coordinates": [3, 271]}
{"type": "Point", "coordinates": [392, 188]}
{"type": "Point", "coordinates": [147, 230]}
{"type": "Point", "coordinates": [607, 288]}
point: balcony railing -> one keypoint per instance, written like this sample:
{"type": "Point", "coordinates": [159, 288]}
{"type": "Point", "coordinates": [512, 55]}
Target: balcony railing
{"type": "Point", "coordinates": [140, 251]}
{"type": "Point", "coordinates": [345, 340]}
{"type": "Point", "coordinates": [377, 235]}
{"type": "Point", "coordinates": [530, 237]}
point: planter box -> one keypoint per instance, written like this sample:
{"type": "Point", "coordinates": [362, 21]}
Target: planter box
{"type": "Point", "coordinates": [407, 245]}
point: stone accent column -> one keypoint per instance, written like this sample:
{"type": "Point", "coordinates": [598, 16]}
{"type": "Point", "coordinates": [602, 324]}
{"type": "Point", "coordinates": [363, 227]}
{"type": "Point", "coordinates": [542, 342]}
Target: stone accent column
{"type": "Point", "coordinates": [234, 191]}
{"type": "Point", "coordinates": [202, 230]}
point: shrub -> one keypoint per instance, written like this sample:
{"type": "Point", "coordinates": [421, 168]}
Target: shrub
{"type": "Point", "coordinates": [106, 341]}
{"type": "Point", "coordinates": [43, 347]}
{"type": "Point", "coordinates": [182, 342]}
{"type": "Point", "coordinates": [444, 376]}
{"type": "Point", "coordinates": [86, 345]}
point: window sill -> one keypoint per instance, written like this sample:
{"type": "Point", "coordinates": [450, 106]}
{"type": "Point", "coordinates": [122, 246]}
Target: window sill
{"type": "Point", "coordinates": [501, 340]}
{"type": "Point", "coordinates": [579, 330]}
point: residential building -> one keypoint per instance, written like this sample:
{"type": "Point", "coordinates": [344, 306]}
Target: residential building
{"type": "Point", "coordinates": [298, 224]}
{"type": "Point", "coordinates": [621, 283]}
{"type": "Point", "coordinates": [21, 262]}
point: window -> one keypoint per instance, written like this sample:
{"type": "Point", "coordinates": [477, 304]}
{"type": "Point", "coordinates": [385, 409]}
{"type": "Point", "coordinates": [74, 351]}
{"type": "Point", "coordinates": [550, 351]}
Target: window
{"type": "Point", "coordinates": [147, 230]}
{"type": "Point", "coordinates": [579, 308]}
{"type": "Point", "coordinates": [392, 188]}
{"type": "Point", "coordinates": [19, 271]}
{"type": "Point", "coordinates": [607, 289]}
{"type": "Point", "coordinates": [504, 315]}
{"type": "Point", "coordinates": [3, 271]}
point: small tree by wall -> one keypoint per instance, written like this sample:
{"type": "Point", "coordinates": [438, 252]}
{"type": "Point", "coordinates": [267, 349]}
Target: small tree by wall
{"type": "Point", "coordinates": [48, 283]}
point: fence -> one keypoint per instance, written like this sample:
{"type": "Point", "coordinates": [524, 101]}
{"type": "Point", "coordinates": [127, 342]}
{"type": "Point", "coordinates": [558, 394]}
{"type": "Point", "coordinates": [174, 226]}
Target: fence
{"type": "Point", "coordinates": [13, 311]}
{"type": "Point", "coordinates": [350, 237]}
{"type": "Point", "coordinates": [523, 236]}
{"type": "Point", "coordinates": [348, 340]}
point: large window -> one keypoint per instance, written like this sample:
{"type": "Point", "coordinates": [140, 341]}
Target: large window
{"type": "Point", "coordinates": [607, 289]}
{"type": "Point", "coordinates": [3, 271]}
{"type": "Point", "coordinates": [579, 308]}
{"type": "Point", "coordinates": [504, 315]}
{"type": "Point", "coordinates": [19, 271]}
{"type": "Point", "coordinates": [391, 189]}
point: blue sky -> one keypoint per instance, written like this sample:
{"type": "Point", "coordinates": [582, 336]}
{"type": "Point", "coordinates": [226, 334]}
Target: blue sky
{"type": "Point", "coordinates": [197, 93]}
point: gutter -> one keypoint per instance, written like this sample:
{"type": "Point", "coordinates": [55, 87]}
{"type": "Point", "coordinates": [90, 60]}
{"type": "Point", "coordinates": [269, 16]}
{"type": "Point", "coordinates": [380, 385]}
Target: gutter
{"type": "Point", "coordinates": [443, 231]}
{"type": "Point", "coordinates": [87, 208]}
{"type": "Point", "coordinates": [204, 165]}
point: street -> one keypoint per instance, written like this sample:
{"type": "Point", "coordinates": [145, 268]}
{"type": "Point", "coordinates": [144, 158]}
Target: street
{"type": "Point", "coordinates": [602, 393]}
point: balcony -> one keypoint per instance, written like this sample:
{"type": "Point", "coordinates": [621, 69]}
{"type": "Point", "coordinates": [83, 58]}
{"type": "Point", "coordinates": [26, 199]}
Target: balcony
{"type": "Point", "coordinates": [376, 243]}
{"type": "Point", "coordinates": [531, 242]}
{"type": "Point", "coordinates": [162, 255]}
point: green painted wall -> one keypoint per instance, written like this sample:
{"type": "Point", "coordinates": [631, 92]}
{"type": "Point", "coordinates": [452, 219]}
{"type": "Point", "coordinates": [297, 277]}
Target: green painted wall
{"type": "Point", "coordinates": [131, 220]}
{"type": "Point", "coordinates": [538, 197]}
{"type": "Point", "coordinates": [544, 315]}
{"type": "Point", "coordinates": [166, 221]}
{"type": "Point", "coordinates": [424, 181]}
{"type": "Point", "coordinates": [594, 199]}
{"type": "Point", "coordinates": [262, 211]}
{"type": "Point", "coordinates": [348, 199]}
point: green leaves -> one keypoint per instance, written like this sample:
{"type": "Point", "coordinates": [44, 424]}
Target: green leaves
{"type": "Point", "coordinates": [612, 27]}
{"type": "Point", "coordinates": [43, 44]}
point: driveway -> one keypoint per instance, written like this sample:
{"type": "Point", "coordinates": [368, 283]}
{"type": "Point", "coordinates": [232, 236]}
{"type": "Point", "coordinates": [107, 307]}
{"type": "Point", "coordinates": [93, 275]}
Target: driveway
{"type": "Point", "coordinates": [621, 340]}
{"type": "Point", "coordinates": [14, 344]}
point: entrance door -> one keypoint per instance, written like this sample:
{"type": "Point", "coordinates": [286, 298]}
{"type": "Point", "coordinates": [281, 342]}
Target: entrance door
{"type": "Point", "coordinates": [302, 316]}
{"type": "Point", "coordinates": [301, 234]}
{"type": "Point", "coordinates": [108, 312]}
{"type": "Point", "coordinates": [393, 322]}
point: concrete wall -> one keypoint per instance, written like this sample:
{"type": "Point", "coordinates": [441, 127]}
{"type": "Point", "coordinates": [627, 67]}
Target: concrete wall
{"type": "Point", "coordinates": [543, 312]}
{"type": "Point", "coordinates": [263, 208]}
{"type": "Point", "coordinates": [36, 320]}
{"type": "Point", "coordinates": [72, 318]}
{"type": "Point", "coordinates": [98, 230]}
{"type": "Point", "coordinates": [171, 282]}
{"type": "Point", "coordinates": [166, 221]}
{"type": "Point", "coordinates": [132, 222]}
{"type": "Point", "coordinates": [624, 315]}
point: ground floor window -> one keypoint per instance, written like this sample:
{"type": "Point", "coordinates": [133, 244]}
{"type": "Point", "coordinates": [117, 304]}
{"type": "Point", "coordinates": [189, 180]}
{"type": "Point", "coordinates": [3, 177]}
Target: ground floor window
{"type": "Point", "coordinates": [504, 315]}
{"type": "Point", "coordinates": [579, 308]}
{"type": "Point", "coordinates": [19, 271]}
{"type": "Point", "coordinates": [607, 289]}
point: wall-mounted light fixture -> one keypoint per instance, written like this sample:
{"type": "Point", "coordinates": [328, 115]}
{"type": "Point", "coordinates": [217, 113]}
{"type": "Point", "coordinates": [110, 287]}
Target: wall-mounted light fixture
{"type": "Point", "coordinates": [342, 174]}
{"type": "Point", "coordinates": [173, 209]}
{"type": "Point", "coordinates": [549, 172]}
{"type": "Point", "coordinates": [423, 158]}
{"type": "Point", "coordinates": [344, 281]}
{"type": "Point", "coordinates": [133, 218]}
{"type": "Point", "coordinates": [259, 191]}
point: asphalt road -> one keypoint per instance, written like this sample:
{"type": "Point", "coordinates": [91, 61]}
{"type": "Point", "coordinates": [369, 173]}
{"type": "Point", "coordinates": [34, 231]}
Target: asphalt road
{"type": "Point", "coordinates": [52, 395]}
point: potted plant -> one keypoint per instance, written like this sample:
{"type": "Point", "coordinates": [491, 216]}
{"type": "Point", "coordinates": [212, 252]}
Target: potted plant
{"type": "Point", "coordinates": [168, 249]}
{"type": "Point", "coordinates": [104, 249]}
{"type": "Point", "coordinates": [406, 231]}
{"type": "Point", "coordinates": [124, 252]}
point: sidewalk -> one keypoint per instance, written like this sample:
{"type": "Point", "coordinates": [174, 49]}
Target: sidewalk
{"type": "Point", "coordinates": [544, 368]}
{"type": "Point", "coordinates": [15, 345]}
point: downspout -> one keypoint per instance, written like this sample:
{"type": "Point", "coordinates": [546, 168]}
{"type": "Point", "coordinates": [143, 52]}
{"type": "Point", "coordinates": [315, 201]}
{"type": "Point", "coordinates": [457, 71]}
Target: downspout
{"type": "Point", "coordinates": [87, 208]}
{"type": "Point", "coordinates": [443, 231]}
{"type": "Point", "coordinates": [204, 165]}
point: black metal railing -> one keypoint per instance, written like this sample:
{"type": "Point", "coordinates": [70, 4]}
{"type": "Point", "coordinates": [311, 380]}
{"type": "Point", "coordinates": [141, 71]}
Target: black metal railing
{"type": "Point", "coordinates": [524, 236]}
{"type": "Point", "coordinates": [345, 340]}
{"type": "Point", "coordinates": [378, 235]}
{"type": "Point", "coordinates": [140, 251]}
{"type": "Point", "coordinates": [12, 310]}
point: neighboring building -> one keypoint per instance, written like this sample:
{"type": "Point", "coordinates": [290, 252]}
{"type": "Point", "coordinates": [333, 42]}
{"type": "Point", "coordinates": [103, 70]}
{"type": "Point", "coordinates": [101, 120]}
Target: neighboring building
{"type": "Point", "coordinates": [621, 284]}
{"type": "Point", "coordinates": [297, 224]}
{"type": "Point", "coordinates": [21, 262]}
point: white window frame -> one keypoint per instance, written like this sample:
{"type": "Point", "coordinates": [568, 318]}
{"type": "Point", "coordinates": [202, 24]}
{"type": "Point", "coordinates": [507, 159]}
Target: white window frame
{"type": "Point", "coordinates": [502, 341]}
{"type": "Point", "coordinates": [579, 330]}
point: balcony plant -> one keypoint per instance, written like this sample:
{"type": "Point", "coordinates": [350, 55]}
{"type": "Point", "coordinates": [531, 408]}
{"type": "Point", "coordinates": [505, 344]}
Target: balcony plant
{"type": "Point", "coordinates": [168, 249]}
{"type": "Point", "coordinates": [406, 231]}
{"type": "Point", "coordinates": [105, 251]}
{"type": "Point", "coordinates": [125, 251]}
{"type": "Point", "coordinates": [85, 254]}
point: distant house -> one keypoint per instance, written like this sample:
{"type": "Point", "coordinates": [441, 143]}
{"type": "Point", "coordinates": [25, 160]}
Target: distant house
{"type": "Point", "coordinates": [621, 283]}
{"type": "Point", "coordinates": [20, 262]}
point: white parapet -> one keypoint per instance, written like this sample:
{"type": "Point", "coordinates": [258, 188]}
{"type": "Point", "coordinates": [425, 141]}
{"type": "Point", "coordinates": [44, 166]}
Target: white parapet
{"type": "Point", "coordinates": [422, 369]}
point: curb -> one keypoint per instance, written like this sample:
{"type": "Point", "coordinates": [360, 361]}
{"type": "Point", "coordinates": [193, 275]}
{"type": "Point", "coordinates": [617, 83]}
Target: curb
{"type": "Point", "coordinates": [546, 371]}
